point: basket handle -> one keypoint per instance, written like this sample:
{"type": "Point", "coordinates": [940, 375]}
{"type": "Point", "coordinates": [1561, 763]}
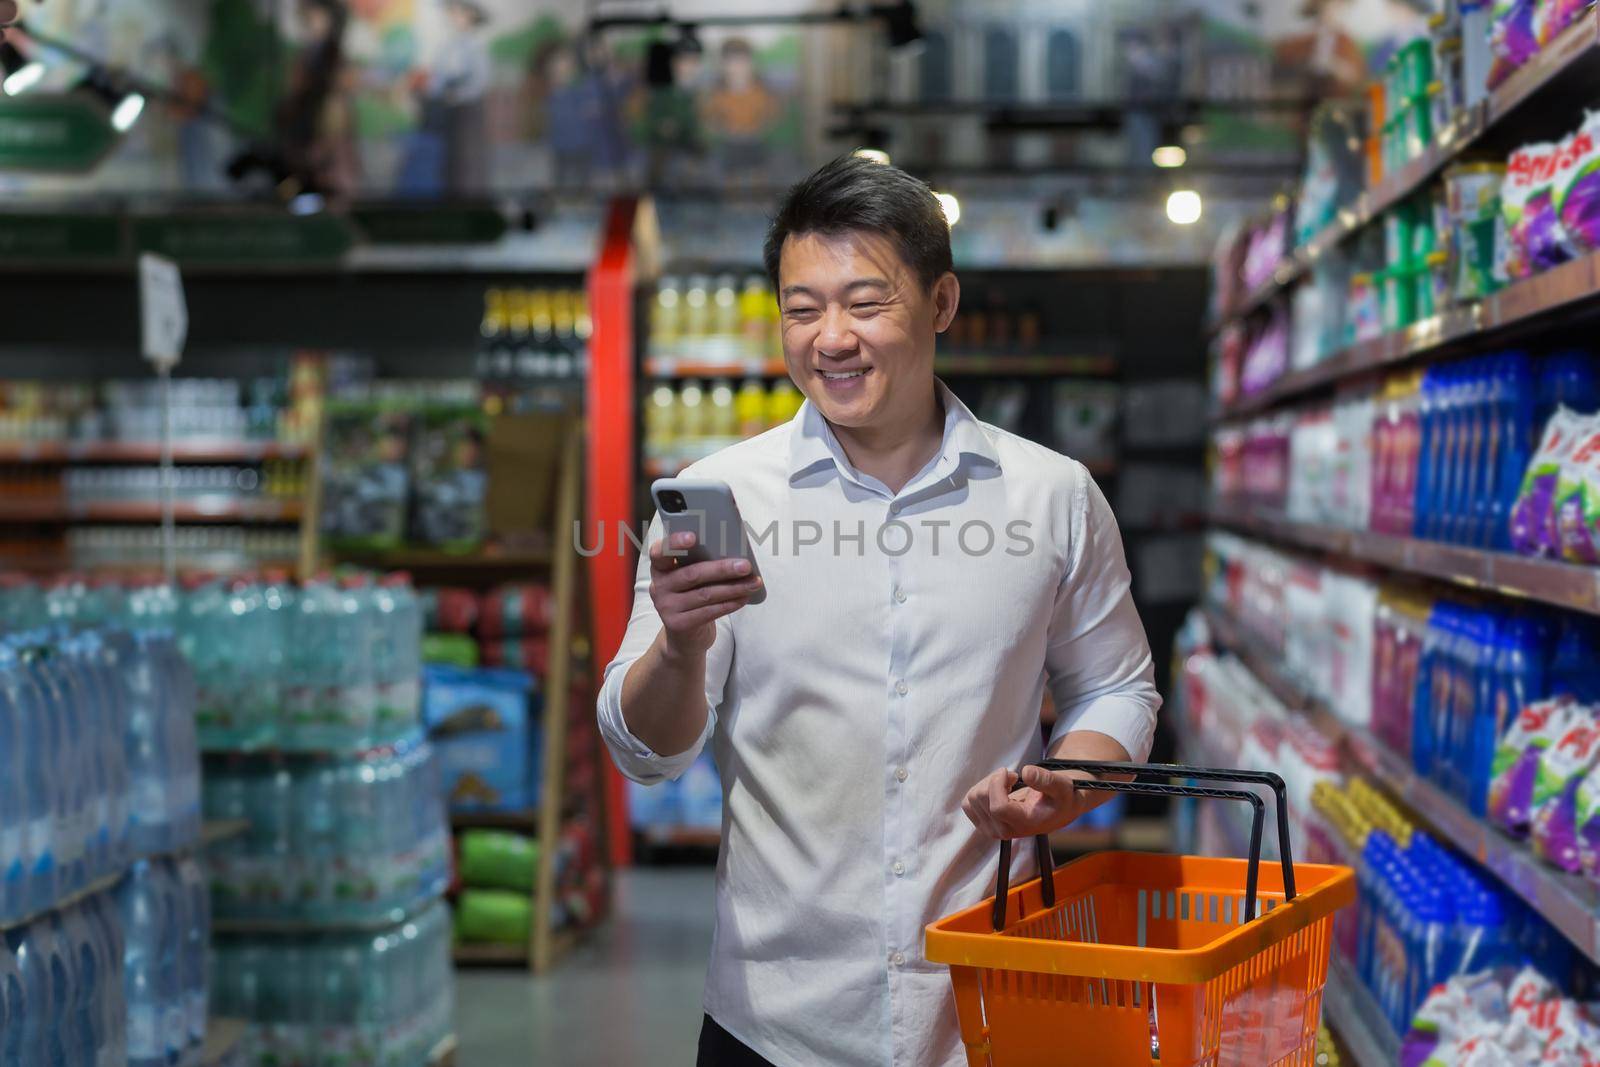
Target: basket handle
{"type": "Point", "coordinates": [1042, 842]}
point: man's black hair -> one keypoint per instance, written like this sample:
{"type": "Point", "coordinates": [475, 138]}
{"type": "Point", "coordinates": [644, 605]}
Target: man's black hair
{"type": "Point", "coordinates": [851, 194]}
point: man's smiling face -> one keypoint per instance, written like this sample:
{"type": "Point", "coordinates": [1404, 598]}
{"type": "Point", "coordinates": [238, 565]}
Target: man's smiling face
{"type": "Point", "coordinates": [858, 326]}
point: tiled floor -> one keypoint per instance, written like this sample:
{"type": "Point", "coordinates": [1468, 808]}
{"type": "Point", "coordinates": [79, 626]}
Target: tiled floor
{"type": "Point", "coordinates": [629, 995]}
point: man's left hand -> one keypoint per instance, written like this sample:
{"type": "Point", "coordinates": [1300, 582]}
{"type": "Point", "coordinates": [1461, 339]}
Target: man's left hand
{"type": "Point", "coordinates": [1047, 801]}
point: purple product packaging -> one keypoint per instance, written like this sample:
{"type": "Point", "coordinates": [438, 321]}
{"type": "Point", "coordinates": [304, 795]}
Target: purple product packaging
{"type": "Point", "coordinates": [1577, 500]}
{"type": "Point", "coordinates": [1514, 772]}
{"type": "Point", "coordinates": [1578, 187]}
{"type": "Point", "coordinates": [1533, 527]}
{"type": "Point", "coordinates": [1513, 37]}
{"type": "Point", "coordinates": [1562, 769]}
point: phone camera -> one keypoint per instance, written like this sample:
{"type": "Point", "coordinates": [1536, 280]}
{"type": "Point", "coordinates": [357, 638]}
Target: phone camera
{"type": "Point", "coordinates": [672, 502]}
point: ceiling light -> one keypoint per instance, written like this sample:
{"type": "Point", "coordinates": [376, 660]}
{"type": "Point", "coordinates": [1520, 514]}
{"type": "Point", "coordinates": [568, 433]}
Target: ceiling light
{"type": "Point", "coordinates": [21, 74]}
{"type": "Point", "coordinates": [1183, 206]}
{"type": "Point", "coordinates": [951, 206]}
{"type": "Point", "coordinates": [1169, 155]}
{"type": "Point", "coordinates": [127, 112]}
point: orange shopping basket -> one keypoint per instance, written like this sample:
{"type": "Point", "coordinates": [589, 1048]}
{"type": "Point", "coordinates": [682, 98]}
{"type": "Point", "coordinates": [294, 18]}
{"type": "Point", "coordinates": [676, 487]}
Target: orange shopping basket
{"type": "Point", "coordinates": [1128, 958]}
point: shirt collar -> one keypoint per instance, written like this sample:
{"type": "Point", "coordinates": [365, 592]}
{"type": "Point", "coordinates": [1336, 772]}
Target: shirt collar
{"type": "Point", "coordinates": [812, 442]}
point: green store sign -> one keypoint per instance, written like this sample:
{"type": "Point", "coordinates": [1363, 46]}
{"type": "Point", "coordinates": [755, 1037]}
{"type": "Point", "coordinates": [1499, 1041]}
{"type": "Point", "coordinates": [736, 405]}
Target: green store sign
{"type": "Point", "coordinates": [430, 225]}
{"type": "Point", "coordinates": [50, 238]}
{"type": "Point", "coordinates": [65, 132]}
{"type": "Point", "coordinates": [245, 240]}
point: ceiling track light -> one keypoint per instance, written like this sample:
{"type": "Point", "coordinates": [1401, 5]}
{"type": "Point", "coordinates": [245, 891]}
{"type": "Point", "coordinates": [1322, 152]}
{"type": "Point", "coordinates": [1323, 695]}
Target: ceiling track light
{"type": "Point", "coordinates": [19, 72]}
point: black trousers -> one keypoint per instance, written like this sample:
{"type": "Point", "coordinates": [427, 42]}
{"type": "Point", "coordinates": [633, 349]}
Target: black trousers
{"type": "Point", "coordinates": [718, 1048]}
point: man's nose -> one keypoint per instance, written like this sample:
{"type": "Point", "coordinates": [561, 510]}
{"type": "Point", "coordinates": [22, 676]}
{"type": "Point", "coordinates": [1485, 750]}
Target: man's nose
{"type": "Point", "coordinates": [836, 337]}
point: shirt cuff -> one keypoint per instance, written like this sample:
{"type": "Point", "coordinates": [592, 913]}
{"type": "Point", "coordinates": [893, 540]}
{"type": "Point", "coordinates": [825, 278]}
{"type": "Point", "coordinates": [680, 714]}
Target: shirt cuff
{"type": "Point", "coordinates": [1127, 719]}
{"type": "Point", "coordinates": [635, 759]}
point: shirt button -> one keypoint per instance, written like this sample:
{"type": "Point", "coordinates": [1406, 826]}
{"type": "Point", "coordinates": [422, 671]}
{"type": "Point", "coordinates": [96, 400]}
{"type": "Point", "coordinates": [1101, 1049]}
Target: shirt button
{"type": "Point", "coordinates": [901, 687]}
{"type": "Point", "coordinates": [901, 774]}
{"type": "Point", "coordinates": [898, 868]}
{"type": "Point", "coordinates": [899, 595]}
{"type": "Point", "coordinates": [898, 959]}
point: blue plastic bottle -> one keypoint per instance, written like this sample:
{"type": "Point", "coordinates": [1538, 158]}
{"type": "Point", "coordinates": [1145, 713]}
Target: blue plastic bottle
{"type": "Point", "coordinates": [13, 1010]}
{"type": "Point", "coordinates": [1422, 718]}
{"type": "Point", "coordinates": [106, 926]}
{"type": "Point", "coordinates": [1468, 445]}
{"type": "Point", "coordinates": [196, 935]}
{"type": "Point", "coordinates": [13, 808]}
{"type": "Point", "coordinates": [1519, 427]}
{"type": "Point", "coordinates": [148, 962]}
{"type": "Point", "coordinates": [82, 1032]}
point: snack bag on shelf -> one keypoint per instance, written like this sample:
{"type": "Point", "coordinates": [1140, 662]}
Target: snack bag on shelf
{"type": "Point", "coordinates": [1553, 16]}
{"type": "Point", "coordinates": [1578, 188]}
{"type": "Point", "coordinates": [1513, 37]}
{"type": "Point", "coordinates": [1562, 768]}
{"type": "Point", "coordinates": [1531, 239]}
{"type": "Point", "coordinates": [1578, 496]}
{"type": "Point", "coordinates": [1533, 528]}
{"type": "Point", "coordinates": [1517, 758]}
{"type": "Point", "coordinates": [1587, 817]}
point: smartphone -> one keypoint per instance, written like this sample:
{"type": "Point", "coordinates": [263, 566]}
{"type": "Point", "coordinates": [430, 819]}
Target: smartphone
{"type": "Point", "coordinates": [705, 508]}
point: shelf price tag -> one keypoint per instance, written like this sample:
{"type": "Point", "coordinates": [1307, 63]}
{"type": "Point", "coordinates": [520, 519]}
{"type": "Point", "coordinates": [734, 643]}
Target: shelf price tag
{"type": "Point", "coordinates": [163, 310]}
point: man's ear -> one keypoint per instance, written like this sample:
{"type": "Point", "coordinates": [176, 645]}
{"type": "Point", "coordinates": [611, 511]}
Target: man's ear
{"type": "Point", "coordinates": [946, 298]}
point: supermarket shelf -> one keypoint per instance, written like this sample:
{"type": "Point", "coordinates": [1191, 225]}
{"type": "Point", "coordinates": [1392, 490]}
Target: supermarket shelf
{"type": "Point", "coordinates": [420, 559]}
{"type": "Point", "coordinates": [1568, 67]}
{"type": "Point", "coordinates": [680, 837]}
{"type": "Point", "coordinates": [495, 820]}
{"type": "Point", "coordinates": [222, 1037]}
{"type": "Point", "coordinates": [216, 830]}
{"type": "Point", "coordinates": [202, 510]}
{"type": "Point", "coordinates": [99, 885]}
{"type": "Point", "coordinates": [1045, 365]}
{"type": "Point", "coordinates": [492, 954]}
{"type": "Point", "coordinates": [1354, 1017]}
{"type": "Point", "coordinates": [1566, 585]}
{"type": "Point", "coordinates": [221, 450]}
{"type": "Point", "coordinates": [1567, 901]}
{"type": "Point", "coordinates": [1523, 305]}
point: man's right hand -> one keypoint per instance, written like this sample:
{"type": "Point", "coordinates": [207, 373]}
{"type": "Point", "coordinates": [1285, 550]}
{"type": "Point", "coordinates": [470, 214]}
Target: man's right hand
{"type": "Point", "coordinates": [691, 597]}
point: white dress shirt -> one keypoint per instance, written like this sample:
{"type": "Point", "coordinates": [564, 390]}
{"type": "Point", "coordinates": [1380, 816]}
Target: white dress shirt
{"type": "Point", "coordinates": [893, 665]}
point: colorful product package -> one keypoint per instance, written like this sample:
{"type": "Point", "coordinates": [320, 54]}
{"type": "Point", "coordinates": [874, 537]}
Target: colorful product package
{"type": "Point", "coordinates": [1513, 37]}
{"type": "Point", "coordinates": [1578, 187]}
{"type": "Point", "coordinates": [1588, 820]}
{"type": "Point", "coordinates": [1533, 527]}
{"type": "Point", "coordinates": [449, 478]}
{"type": "Point", "coordinates": [1531, 239]}
{"type": "Point", "coordinates": [1577, 499]}
{"type": "Point", "coordinates": [365, 480]}
{"type": "Point", "coordinates": [1562, 768]}
{"type": "Point", "coordinates": [1553, 16]}
{"type": "Point", "coordinates": [1516, 759]}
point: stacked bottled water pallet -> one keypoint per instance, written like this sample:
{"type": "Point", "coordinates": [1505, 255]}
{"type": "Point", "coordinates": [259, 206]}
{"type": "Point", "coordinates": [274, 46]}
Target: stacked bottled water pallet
{"type": "Point", "coordinates": [104, 914]}
{"type": "Point", "coordinates": [305, 699]}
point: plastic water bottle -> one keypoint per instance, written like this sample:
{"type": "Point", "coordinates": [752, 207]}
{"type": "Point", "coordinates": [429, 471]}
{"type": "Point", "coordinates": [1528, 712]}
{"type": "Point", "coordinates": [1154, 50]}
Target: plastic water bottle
{"type": "Point", "coordinates": [149, 773]}
{"type": "Point", "coordinates": [13, 807]}
{"type": "Point", "coordinates": [279, 604]}
{"type": "Point", "coordinates": [77, 1018]}
{"type": "Point", "coordinates": [41, 786]}
{"type": "Point", "coordinates": [106, 926]}
{"type": "Point", "coordinates": [177, 977]}
{"type": "Point", "coordinates": [68, 765]}
{"type": "Point", "coordinates": [146, 929]}
{"type": "Point", "coordinates": [197, 934]}
{"type": "Point", "coordinates": [357, 693]}
{"type": "Point", "coordinates": [304, 696]}
{"type": "Point", "coordinates": [12, 1007]}
{"type": "Point", "coordinates": [183, 741]}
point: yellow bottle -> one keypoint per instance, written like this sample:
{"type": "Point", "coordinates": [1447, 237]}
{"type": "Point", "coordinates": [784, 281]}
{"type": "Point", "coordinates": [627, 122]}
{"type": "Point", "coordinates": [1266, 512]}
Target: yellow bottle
{"type": "Point", "coordinates": [692, 419]}
{"type": "Point", "coordinates": [750, 406]}
{"type": "Point", "coordinates": [660, 421]}
{"type": "Point", "coordinates": [722, 421]}
{"type": "Point", "coordinates": [783, 402]}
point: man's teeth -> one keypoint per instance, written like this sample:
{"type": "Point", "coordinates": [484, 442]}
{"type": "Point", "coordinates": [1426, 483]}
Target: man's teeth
{"type": "Point", "coordinates": [840, 376]}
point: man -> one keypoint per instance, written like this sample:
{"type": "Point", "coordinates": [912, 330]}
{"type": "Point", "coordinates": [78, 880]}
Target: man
{"type": "Point", "coordinates": [927, 576]}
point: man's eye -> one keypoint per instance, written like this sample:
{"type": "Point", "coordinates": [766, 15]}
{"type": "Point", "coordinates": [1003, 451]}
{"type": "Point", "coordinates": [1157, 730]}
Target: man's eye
{"type": "Point", "coordinates": [866, 306]}
{"type": "Point", "coordinates": [798, 313]}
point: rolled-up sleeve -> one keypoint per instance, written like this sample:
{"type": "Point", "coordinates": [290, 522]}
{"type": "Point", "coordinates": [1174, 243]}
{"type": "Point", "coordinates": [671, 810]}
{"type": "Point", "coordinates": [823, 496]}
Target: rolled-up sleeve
{"type": "Point", "coordinates": [1097, 662]}
{"type": "Point", "coordinates": [633, 757]}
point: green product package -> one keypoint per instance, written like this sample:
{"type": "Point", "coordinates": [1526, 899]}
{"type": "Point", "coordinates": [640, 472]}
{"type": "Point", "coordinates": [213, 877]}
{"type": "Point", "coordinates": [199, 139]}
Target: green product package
{"type": "Point", "coordinates": [365, 479]}
{"type": "Point", "coordinates": [450, 478]}
{"type": "Point", "coordinates": [455, 650]}
{"type": "Point", "coordinates": [498, 859]}
{"type": "Point", "coordinates": [493, 915]}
